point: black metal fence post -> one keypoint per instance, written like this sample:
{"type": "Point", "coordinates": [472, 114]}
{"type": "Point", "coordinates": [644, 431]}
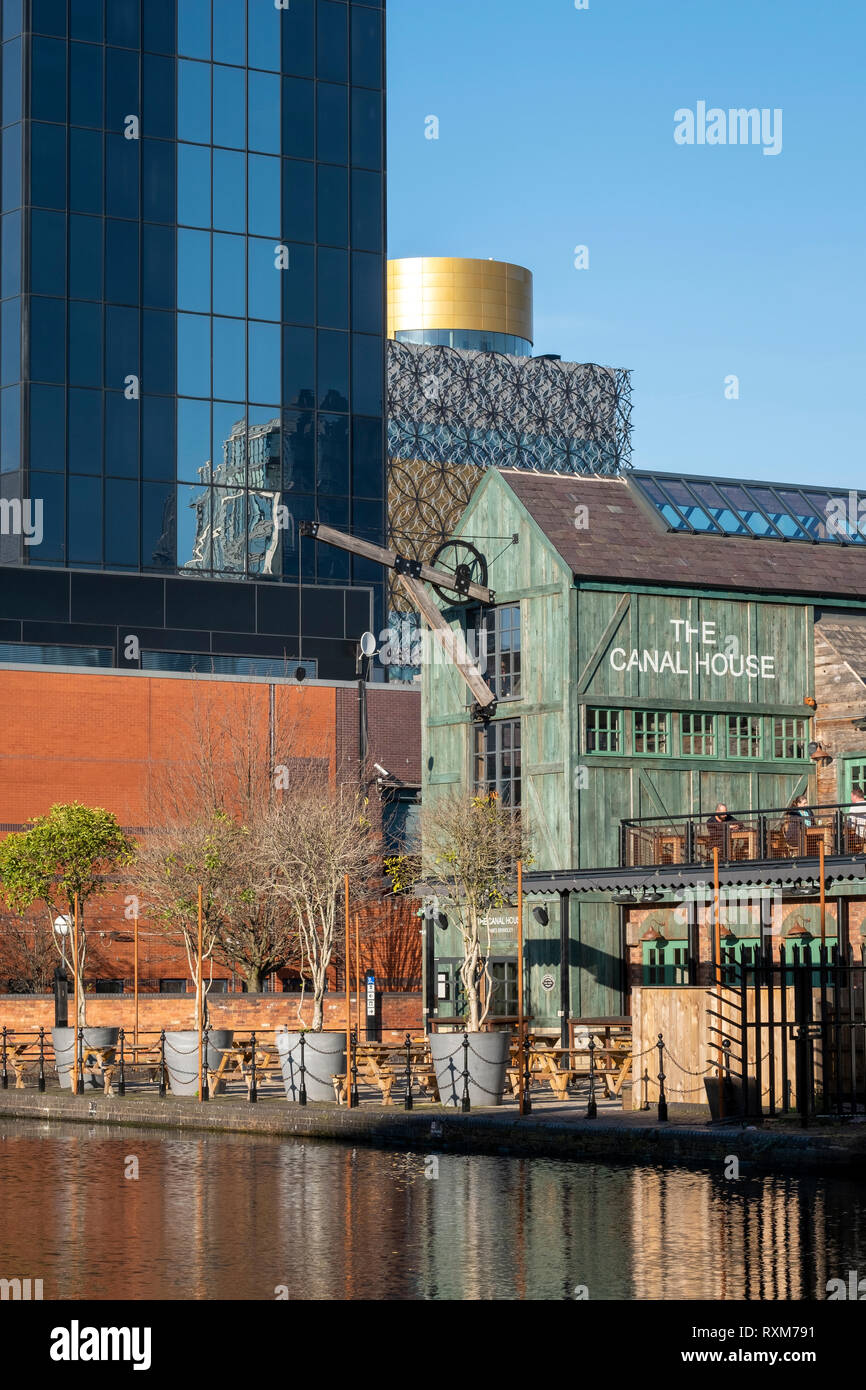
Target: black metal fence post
{"type": "Point", "coordinates": [663, 1104]}
{"type": "Point", "coordinates": [79, 1061]}
{"type": "Point", "coordinates": [42, 1059]}
{"type": "Point", "coordinates": [4, 1078]}
{"type": "Point", "coordinates": [205, 1045]}
{"type": "Point", "coordinates": [591, 1106]}
{"type": "Point", "coordinates": [162, 1087]}
{"type": "Point", "coordinates": [356, 1100]}
{"type": "Point", "coordinates": [254, 1090]}
{"type": "Point", "coordinates": [121, 1084]}
{"type": "Point", "coordinates": [464, 1104]}
{"type": "Point", "coordinates": [407, 1097]}
{"type": "Point", "coordinates": [527, 1077]}
{"type": "Point", "coordinates": [302, 1089]}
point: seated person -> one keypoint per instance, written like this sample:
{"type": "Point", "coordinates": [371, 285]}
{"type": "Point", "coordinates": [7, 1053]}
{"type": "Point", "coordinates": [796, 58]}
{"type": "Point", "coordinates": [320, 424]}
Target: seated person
{"type": "Point", "coordinates": [719, 824]}
{"type": "Point", "coordinates": [857, 813]}
{"type": "Point", "coordinates": [798, 818]}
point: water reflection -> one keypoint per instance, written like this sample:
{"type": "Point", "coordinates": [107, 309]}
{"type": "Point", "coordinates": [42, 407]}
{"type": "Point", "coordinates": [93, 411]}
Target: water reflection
{"type": "Point", "coordinates": [237, 1217]}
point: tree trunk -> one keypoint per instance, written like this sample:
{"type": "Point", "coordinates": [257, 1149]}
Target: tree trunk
{"type": "Point", "coordinates": [318, 1014]}
{"type": "Point", "coordinates": [255, 979]}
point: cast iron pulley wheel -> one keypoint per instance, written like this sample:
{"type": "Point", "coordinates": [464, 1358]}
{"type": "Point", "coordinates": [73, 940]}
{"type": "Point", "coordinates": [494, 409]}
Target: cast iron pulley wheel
{"type": "Point", "coordinates": [466, 563]}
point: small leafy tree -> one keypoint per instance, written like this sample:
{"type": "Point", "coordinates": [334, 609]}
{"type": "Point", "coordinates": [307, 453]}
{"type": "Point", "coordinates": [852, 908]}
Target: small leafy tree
{"type": "Point", "coordinates": [72, 853]}
{"type": "Point", "coordinates": [470, 851]}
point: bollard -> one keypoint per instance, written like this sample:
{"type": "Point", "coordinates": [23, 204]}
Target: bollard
{"type": "Point", "coordinates": [645, 1078]}
{"type": "Point", "coordinates": [527, 1099]}
{"type": "Point", "coordinates": [254, 1091]}
{"type": "Point", "coordinates": [205, 1085]}
{"type": "Point", "coordinates": [464, 1104]}
{"type": "Point", "coordinates": [42, 1059]}
{"type": "Point", "coordinates": [302, 1090]}
{"type": "Point", "coordinates": [162, 1086]}
{"type": "Point", "coordinates": [355, 1097]}
{"type": "Point", "coordinates": [663, 1105]}
{"type": "Point", "coordinates": [591, 1106]}
{"type": "Point", "coordinates": [79, 1063]}
{"type": "Point", "coordinates": [407, 1098]}
{"type": "Point", "coordinates": [121, 1085]}
{"type": "Point", "coordinates": [726, 1048]}
{"type": "Point", "coordinates": [4, 1080]}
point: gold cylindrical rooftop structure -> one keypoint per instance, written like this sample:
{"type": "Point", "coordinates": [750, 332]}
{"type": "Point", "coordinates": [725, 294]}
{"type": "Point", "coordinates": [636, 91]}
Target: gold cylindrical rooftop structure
{"type": "Point", "coordinates": [434, 295]}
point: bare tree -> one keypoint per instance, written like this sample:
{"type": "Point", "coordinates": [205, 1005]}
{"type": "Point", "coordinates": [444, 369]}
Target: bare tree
{"type": "Point", "coordinates": [237, 753]}
{"type": "Point", "coordinates": [28, 954]}
{"type": "Point", "coordinates": [470, 851]}
{"type": "Point", "coordinates": [321, 834]}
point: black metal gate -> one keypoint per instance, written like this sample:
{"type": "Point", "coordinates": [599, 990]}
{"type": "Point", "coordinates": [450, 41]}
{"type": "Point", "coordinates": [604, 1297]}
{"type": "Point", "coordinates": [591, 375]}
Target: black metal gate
{"type": "Point", "coordinates": [803, 1034]}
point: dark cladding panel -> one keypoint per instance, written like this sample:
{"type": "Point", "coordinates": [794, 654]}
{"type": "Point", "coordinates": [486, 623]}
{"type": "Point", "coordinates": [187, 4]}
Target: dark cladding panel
{"type": "Point", "coordinates": [112, 598]}
{"type": "Point", "coordinates": [38, 594]}
{"type": "Point", "coordinates": [201, 603]}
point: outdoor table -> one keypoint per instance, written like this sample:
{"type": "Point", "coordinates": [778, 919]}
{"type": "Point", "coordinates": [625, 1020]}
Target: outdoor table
{"type": "Point", "coordinates": [744, 844]}
{"type": "Point", "coordinates": [815, 834]}
{"type": "Point", "coordinates": [669, 848]}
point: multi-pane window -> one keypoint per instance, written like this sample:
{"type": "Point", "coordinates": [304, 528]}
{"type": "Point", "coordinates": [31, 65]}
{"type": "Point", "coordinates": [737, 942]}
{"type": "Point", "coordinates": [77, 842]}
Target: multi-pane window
{"type": "Point", "coordinates": [651, 731]}
{"type": "Point", "coordinates": [744, 736]}
{"type": "Point", "coordinates": [698, 735]}
{"type": "Point", "coordinates": [790, 738]}
{"type": "Point", "coordinates": [497, 760]}
{"type": "Point", "coordinates": [499, 647]}
{"type": "Point", "coordinates": [665, 963]}
{"type": "Point", "coordinates": [603, 730]}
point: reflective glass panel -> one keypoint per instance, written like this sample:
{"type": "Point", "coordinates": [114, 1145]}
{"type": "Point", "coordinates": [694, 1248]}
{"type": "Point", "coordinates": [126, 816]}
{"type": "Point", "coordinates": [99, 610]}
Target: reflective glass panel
{"type": "Point", "coordinates": [122, 429]}
{"type": "Point", "coordinates": [158, 266]}
{"type": "Point", "coordinates": [85, 84]}
{"type": "Point", "coordinates": [299, 367]}
{"type": "Point", "coordinates": [298, 118]}
{"type": "Point", "coordinates": [229, 364]}
{"type": "Point", "coordinates": [159, 350]}
{"type": "Point", "coordinates": [193, 441]}
{"type": "Point", "coordinates": [264, 112]}
{"type": "Point", "coordinates": [158, 26]}
{"type": "Point", "coordinates": [47, 338]}
{"type": "Point", "coordinates": [333, 370]}
{"type": "Point", "coordinates": [193, 355]}
{"type": "Point", "coordinates": [332, 455]}
{"type": "Point", "coordinates": [194, 28]}
{"type": "Point", "coordinates": [11, 87]}
{"type": "Point", "coordinates": [122, 262]}
{"type": "Point", "coordinates": [121, 523]}
{"type": "Point", "coordinates": [366, 128]}
{"type": "Point", "coordinates": [299, 201]}
{"type": "Point", "coordinates": [122, 22]}
{"type": "Point", "coordinates": [229, 31]}
{"type": "Point", "coordinates": [122, 345]}
{"type": "Point", "coordinates": [265, 280]}
{"type": "Point", "coordinates": [299, 285]}
{"type": "Point", "coordinates": [158, 526]}
{"type": "Point", "coordinates": [193, 271]}
{"type": "Point", "coordinates": [229, 443]}
{"type": "Point", "coordinates": [158, 436]}
{"type": "Point", "coordinates": [366, 292]}
{"type": "Point", "coordinates": [10, 431]}
{"type": "Point", "coordinates": [366, 27]}
{"type": "Point", "coordinates": [333, 205]}
{"type": "Point", "coordinates": [229, 522]}
{"type": "Point", "coordinates": [367, 224]}
{"type": "Point", "coordinates": [229, 107]}
{"type": "Point", "coordinates": [194, 102]}
{"type": "Point", "coordinates": [47, 252]}
{"type": "Point", "coordinates": [332, 48]}
{"type": "Point", "coordinates": [368, 374]}
{"type": "Point", "coordinates": [10, 342]}
{"type": "Point", "coordinates": [333, 288]}
{"type": "Point", "coordinates": [158, 96]}
{"type": "Point", "coordinates": [193, 527]}
{"type": "Point", "coordinates": [229, 275]}
{"type": "Point", "coordinates": [85, 344]}
{"type": "Point", "coordinates": [10, 255]}
{"type": "Point", "coordinates": [264, 196]}
{"type": "Point", "coordinates": [48, 80]}
{"type": "Point", "coordinates": [159, 180]}
{"type": "Point", "coordinates": [298, 38]}
{"type": "Point", "coordinates": [122, 176]}
{"type": "Point", "coordinates": [264, 362]}
{"type": "Point", "coordinates": [47, 164]}
{"type": "Point", "coordinates": [48, 428]}
{"type": "Point", "coordinates": [85, 171]}
{"type": "Point", "coordinates": [299, 450]}
{"type": "Point", "coordinates": [122, 91]}
{"type": "Point", "coordinates": [194, 185]}
{"type": "Point", "coordinates": [229, 191]}
{"type": "Point", "coordinates": [264, 36]}
{"type": "Point", "coordinates": [85, 431]}
{"type": "Point", "coordinates": [84, 521]}
{"type": "Point", "coordinates": [332, 123]}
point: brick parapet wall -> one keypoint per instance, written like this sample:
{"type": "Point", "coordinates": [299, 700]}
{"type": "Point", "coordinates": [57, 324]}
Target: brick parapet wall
{"type": "Point", "coordinates": [400, 1013]}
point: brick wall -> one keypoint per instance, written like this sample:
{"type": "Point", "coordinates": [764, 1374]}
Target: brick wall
{"type": "Point", "coordinates": [400, 1013]}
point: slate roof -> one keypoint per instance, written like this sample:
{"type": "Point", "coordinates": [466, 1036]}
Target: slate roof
{"type": "Point", "coordinates": [626, 540]}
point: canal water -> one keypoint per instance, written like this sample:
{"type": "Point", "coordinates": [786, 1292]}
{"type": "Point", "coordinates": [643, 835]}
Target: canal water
{"type": "Point", "coordinates": [145, 1215]}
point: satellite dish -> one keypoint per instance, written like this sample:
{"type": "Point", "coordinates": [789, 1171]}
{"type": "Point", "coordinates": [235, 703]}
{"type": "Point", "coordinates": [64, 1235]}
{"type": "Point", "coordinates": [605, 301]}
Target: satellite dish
{"type": "Point", "coordinates": [301, 673]}
{"type": "Point", "coordinates": [368, 644]}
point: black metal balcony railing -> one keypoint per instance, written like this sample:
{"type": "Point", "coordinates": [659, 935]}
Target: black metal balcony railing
{"type": "Point", "coordinates": [764, 834]}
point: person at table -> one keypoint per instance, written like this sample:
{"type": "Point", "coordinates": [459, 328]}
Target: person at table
{"type": "Point", "coordinates": [719, 826]}
{"type": "Point", "coordinates": [798, 819]}
{"type": "Point", "coordinates": [857, 814]}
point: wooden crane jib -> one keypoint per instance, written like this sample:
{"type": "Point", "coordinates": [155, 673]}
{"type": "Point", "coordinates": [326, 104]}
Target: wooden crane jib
{"type": "Point", "coordinates": [411, 575]}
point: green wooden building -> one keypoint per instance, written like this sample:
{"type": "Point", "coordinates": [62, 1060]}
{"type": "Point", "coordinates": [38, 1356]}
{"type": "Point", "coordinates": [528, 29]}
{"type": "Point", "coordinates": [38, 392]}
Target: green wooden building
{"type": "Point", "coordinates": [652, 651]}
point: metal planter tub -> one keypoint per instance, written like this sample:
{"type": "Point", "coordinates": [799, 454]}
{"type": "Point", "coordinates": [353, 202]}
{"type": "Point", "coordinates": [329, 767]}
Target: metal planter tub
{"type": "Point", "coordinates": [324, 1056]}
{"type": "Point", "coordinates": [485, 1060]}
{"type": "Point", "coordinates": [65, 1039]}
{"type": "Point", "coordinates": [181, 1057]}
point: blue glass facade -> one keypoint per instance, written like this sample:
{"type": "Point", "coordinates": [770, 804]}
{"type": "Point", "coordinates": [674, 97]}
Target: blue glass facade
{"type": "Point", "coordinates": [192, 268]}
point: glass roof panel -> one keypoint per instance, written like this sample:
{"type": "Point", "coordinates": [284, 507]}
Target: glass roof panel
{"type": "Point", "coordinates": [738, 508]}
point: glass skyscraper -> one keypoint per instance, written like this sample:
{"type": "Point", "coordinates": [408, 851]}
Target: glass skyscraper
{"type": "Point", "coordinates": [192, 320]}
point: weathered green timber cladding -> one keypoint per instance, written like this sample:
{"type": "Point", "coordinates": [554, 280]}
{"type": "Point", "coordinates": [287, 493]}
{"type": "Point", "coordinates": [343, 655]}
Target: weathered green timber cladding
{"type": "Point", "coordinates": [666, 651]}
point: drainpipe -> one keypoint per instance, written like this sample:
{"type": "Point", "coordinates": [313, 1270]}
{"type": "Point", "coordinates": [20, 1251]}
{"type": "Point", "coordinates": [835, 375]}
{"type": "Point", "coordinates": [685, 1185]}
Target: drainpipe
{"type": "Point", "coordinates": [564, 966]}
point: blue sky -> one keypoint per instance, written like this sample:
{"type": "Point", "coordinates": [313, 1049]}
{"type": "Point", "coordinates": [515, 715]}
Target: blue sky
{"type": "Point", "coordinates": [557, 130]}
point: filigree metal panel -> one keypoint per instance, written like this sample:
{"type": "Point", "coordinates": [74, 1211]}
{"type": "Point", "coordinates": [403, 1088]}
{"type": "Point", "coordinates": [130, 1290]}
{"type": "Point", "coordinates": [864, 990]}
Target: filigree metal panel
{"type": "Point", "coordinates": [496, 411]}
